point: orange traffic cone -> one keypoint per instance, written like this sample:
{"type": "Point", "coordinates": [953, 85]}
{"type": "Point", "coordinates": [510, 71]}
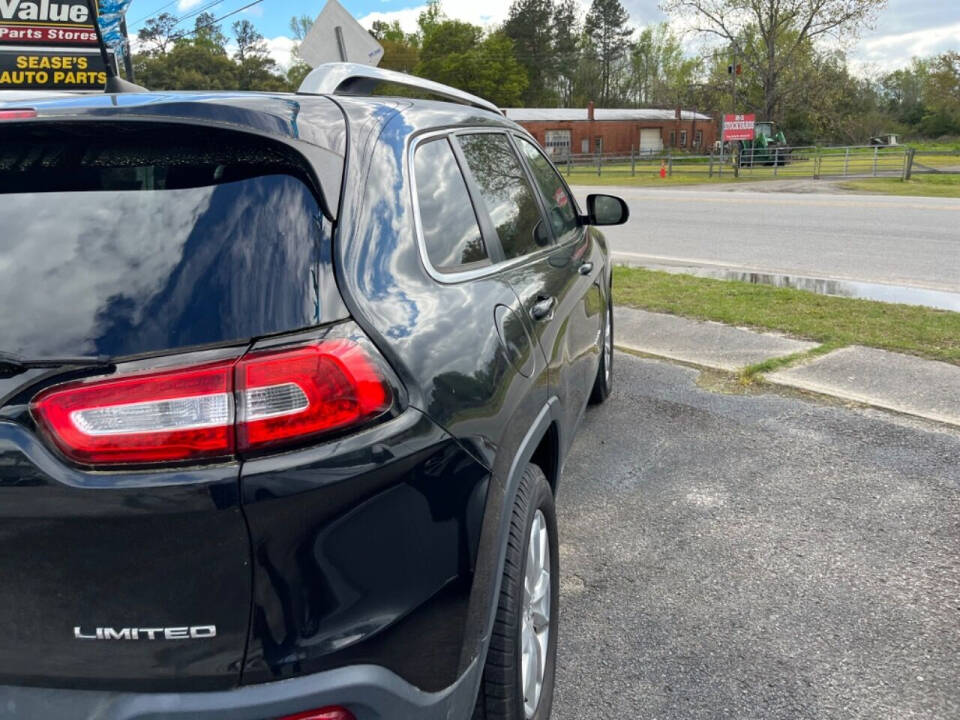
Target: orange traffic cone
{"type": "Point", "coordinates": [663, 168]}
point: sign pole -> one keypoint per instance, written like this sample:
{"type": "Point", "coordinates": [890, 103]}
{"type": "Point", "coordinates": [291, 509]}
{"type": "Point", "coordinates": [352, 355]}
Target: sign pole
{"type": "Point", "coordinates": [104, 55]}
{"type": "Point", "coordinates": [127, 59]}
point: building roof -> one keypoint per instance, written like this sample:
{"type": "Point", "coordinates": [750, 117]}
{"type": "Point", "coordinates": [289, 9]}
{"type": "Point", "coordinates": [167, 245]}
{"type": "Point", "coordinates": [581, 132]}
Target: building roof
{"type": "Point", "coordinates": [570, 114]}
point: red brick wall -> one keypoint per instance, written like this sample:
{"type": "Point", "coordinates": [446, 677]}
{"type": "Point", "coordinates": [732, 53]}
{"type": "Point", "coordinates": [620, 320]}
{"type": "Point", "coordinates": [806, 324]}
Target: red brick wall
{"type": "Point", "coordinates": [619, 135]}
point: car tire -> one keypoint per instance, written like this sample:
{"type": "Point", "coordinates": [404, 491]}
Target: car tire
{"type": "Point", "coordinates": [517, 638]}
{"type": "Point", "coordinates": [603, 383]}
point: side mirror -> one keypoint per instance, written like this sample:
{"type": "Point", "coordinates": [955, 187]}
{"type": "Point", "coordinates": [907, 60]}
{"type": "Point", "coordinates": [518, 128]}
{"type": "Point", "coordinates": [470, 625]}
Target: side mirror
{"type": "Point", "coordinates": [606, 210]}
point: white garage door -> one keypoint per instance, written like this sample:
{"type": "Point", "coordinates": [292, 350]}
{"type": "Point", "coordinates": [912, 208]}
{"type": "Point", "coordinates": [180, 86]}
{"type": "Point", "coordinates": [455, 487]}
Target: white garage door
{"type": "Point", "coordinates": [557, 143]}
{"type": "Point", "coordinates": [650, 140]}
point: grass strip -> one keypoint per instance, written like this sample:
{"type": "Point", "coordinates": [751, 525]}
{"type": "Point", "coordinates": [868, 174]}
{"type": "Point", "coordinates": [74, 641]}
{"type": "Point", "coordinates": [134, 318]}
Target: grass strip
{"type": "Point", "coordinates": [831, 321]}
{"type": "Point", "coordinates": [918, 186]}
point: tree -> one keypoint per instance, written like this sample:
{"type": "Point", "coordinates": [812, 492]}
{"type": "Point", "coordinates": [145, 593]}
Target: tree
{"type": "Point", "coordinates": [207, 33]}
{"type": "Point", "coordinates": [779, 30]}
{"type": "Point", "coordinates": [400, 50]}
{"type": "Point", "coordinates": [530, 26]}
{"type": "Point", "coordinates": [190, 61]}
{"type": "Point", "coordinates": [457, 53]}
{"type": "Point", "coordinates": [155, 35]}
{"type": "Point", "coordinates": [299, 27]}
{"type": "Point", "coordinates": [661, 74]}
{"type": "Point", "coordinates": [566, 48]}
{"type": "Point", "coordinates": [606, 27]}
{"type": "Point", "coordinates": [256, 69]}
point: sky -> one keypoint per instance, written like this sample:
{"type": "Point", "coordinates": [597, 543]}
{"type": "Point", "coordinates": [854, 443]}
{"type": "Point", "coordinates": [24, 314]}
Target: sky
{"type": "Point", "coordinates": [906, 28]}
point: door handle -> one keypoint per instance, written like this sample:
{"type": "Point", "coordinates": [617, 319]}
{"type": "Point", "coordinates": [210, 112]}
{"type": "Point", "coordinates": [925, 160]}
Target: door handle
{"type": "Point", "coordinates": [585, 268]}
{"type": "Point", "coordinates": [543, 308]}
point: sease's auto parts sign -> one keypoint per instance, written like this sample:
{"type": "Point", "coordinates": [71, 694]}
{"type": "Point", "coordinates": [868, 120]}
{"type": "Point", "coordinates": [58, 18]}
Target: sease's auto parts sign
{"type": "Point", "coordinates": [46, 22]}
{"type": "Point", "coordinates": [44, 69]}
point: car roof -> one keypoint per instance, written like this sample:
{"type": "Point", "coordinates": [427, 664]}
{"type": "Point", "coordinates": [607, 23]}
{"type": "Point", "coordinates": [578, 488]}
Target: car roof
{"type": "Point", "coordinates": [318, 126]}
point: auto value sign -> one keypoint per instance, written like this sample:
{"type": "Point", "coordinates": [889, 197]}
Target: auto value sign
{"type": "Point", "coordinates": [46, 22]}
{"type": "Point", "coordinates": [51, 69]}
{"type": "Point", "coordinates": [735, 127]}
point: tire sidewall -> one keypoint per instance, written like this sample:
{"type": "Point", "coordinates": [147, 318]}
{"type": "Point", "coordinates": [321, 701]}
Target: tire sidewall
{"type": "Point", "coordinates": [542, 499]}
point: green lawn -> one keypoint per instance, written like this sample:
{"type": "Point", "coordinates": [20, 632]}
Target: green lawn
{"type": "Point", "coordinates": [919, 185]}
{"type": "Point", "coordinates": [831, 321]}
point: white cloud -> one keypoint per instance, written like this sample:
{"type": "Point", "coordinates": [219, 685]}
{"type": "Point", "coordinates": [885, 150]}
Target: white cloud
{"type": "Point", "coordinates": [187, 4]}
{"type": "Point", "coordinates": [895, 50]}
{"type": "Point", "coordinates": [280, 48]}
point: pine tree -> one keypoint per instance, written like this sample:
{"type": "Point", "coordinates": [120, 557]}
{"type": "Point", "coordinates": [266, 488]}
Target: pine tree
{"type": "Point", "coordinates": [606, 27]}
{"type": "Point", "coordinates": [529, 25]}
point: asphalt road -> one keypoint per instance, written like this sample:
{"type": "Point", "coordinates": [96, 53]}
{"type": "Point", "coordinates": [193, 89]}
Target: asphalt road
{"type": "Point", "coordinates": [907, 241]}
{"type": "Point", "coordinates": [756, 556]}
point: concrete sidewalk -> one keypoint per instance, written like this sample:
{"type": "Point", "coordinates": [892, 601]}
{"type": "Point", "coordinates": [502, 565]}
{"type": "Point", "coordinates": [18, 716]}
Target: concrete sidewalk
{"type": "Point", "coordinates": [902, 383]}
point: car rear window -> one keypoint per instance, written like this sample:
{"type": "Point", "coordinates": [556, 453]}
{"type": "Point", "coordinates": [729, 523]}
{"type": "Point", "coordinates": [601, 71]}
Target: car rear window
{"type": "Point", "coordinates": [121, 242]}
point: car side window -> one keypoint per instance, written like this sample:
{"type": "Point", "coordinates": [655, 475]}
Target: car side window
{"type": "Point", "coordinates": [506, 193]}
{"type": "Point", "coordinates": [451, 233]}
{"type": "Point", "coordinates": [560, 207]}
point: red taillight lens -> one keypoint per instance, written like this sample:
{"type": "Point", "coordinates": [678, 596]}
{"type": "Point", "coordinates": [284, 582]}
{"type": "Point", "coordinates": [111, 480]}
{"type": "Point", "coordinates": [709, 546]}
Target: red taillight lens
{"type": "Point", "coordinates": [282, 397]}
{"type": "Point", "coordinates": [290, 395]}
{"type": "Point", "coordinates": [24, 114]}
{"type": "Point", "coordinates": [329, 713]}
{"type": "Point", "coordinates": [166, 416]}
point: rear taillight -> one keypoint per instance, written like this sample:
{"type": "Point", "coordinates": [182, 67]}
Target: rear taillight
{"type": "Point", "coordinates": [329, 713]}
{"type": "Point", "coordinates": [167, 416]}
{"type": "Point", "coordinates": [23, 114]}
{"type": "Point", "coordinates": [262, 401]}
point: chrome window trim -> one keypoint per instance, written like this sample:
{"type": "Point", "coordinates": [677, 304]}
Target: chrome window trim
{"type": "Point", "coordinates": [451, 278]}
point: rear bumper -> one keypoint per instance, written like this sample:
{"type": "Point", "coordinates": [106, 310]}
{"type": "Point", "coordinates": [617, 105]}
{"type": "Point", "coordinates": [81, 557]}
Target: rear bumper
{"type": "Point", "coordinates": [369, 691]}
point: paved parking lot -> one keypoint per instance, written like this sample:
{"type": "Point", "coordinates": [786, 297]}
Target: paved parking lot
{"type": "Point", "coordinates": [756, 556]}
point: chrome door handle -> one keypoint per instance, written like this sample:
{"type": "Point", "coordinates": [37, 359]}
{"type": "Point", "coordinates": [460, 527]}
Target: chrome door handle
{"type": "Point", "coordinates": [585, 268]}
{"type": "Point", "coordinates": [542, 308]}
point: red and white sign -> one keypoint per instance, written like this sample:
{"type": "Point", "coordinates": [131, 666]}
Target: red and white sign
{"type": "Point", "coordinates": [738, 127]}
{"type": "Point", "coordinates": [29, 34]}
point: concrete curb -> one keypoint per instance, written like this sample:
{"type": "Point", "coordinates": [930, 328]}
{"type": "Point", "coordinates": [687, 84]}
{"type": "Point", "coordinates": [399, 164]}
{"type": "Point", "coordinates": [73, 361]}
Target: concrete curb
{"type": "Point", "coordinates": [885, 380]}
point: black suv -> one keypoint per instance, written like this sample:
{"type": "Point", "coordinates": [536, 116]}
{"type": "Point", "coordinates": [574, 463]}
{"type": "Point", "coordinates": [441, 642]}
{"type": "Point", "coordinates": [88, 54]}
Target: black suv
{"type": "Point", "coordinates": [286, 387]}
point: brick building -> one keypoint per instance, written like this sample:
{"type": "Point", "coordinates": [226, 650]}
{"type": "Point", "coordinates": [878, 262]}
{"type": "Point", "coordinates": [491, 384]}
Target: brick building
{"type": "Point", "coordinates": [615, 130]}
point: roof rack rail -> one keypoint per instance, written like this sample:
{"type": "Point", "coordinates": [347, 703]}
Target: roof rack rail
{"type": "Point", "coordinates": [356, 79]}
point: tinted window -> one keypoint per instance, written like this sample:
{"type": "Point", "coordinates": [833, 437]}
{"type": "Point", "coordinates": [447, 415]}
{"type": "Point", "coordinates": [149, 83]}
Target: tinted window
{"type": "Point", "coordinates": [450, 229]}
{"type": "Point", "coordinates": [116, 251]}
{"type": "Point", "coordinates": [506, 193]}
{"type": "Point", "coordinates": [560, 208]}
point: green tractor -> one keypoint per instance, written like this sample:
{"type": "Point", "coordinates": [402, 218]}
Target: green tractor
{"type": "Point", "coordinates": [769, 147]}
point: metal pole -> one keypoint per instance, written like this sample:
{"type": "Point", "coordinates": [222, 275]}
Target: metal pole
{"type": "Point", "coordinates": [846, 162]}
{"type": "Point", "coordinates": [341, 46]}
{"type": "Point", "coordinates": [104, 55]}
{"type": "Point", "coordinates": [669, 164]}
{"type": "Point", "coordinates": [876, 150]}
{"type": "Point", "coordinates": [633, 163]}
{"type": "Point", "coordinates": [711, 164]}
{"type": "Point", "coordinates": [127, 60]}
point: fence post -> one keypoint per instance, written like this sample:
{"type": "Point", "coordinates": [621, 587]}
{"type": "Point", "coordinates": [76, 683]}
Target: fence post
{"type": "Point", "coordinates": [599, 162]}
{"type": "Point", "coordinates": [876, 150]}
{"type": "Point", "coordinates": [568, 164]}
{"type": "Point", "coordinates": [669, 165]}
{"type": "Point", "coordinates": [846, 162]}
{"type": "Point", "coordinates": [633, 163]}
{"type": "Point", "coordinates": [711, 164]}
{"type": "Point", "coordinates": [908, 163]}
